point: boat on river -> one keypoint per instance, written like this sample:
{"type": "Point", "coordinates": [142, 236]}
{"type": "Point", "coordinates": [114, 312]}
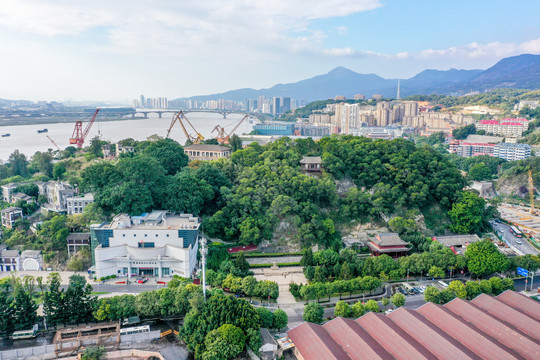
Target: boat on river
{"type": "Point", "coordinates": [6, 135]}
{"type": "Point", "coordinates": [42, 131]}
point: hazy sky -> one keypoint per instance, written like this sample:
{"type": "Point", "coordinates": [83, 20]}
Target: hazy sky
{"type": "Point", "coordinates": [119, 49]}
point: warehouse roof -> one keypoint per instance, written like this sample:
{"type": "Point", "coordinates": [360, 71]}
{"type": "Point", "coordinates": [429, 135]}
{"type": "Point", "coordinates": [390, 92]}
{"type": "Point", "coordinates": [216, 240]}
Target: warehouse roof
{"type": "Point", "coordinates": [503, 327]}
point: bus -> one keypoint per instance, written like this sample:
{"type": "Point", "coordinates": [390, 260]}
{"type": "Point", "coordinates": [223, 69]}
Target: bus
{"type": "Point", "coordinates": [515, 231]}
{"type": "Point", "coordinates": [135, 330]}
{"type": "Point", "coordinates": [442, 284]}
{"type": "Point", "coordinates": [23, 334]}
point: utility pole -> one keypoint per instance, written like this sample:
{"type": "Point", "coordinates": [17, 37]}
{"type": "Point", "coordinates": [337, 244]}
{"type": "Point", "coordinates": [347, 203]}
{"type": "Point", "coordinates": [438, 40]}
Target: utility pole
{"type": "Point", "coordinates": [204, 252]}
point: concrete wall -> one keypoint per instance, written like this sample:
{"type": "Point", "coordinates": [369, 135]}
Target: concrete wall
{"type": "Point", "coordinates": [39, 352]}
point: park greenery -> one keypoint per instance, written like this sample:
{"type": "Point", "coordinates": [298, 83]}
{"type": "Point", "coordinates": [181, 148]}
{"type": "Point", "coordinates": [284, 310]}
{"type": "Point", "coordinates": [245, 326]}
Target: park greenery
{"type": "Point", "coordinates": [469, 290]}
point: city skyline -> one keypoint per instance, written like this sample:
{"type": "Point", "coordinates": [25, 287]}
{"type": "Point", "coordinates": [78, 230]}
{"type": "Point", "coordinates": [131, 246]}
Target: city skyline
{"type": "Point", "coordinates": [105, 51]}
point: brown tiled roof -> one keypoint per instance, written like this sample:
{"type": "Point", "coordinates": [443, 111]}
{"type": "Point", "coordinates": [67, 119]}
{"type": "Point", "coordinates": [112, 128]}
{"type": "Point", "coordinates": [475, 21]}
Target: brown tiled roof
{"type": "Point", "coordinates": [485, 328]}
{"type": "Point", "coordinates": [311, 160]}
{"type": "Point", "coordinates": [392, 239]}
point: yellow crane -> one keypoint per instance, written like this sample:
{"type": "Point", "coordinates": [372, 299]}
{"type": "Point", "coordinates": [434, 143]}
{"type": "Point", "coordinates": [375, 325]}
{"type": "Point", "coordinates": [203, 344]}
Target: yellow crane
{"type": "Point", "coordinates": [178, 117]}
{"type": "Point", "coordinates": [222, 136]}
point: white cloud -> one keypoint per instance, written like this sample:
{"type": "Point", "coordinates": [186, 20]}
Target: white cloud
{"type": "Point", "coordinates": [189, 27]}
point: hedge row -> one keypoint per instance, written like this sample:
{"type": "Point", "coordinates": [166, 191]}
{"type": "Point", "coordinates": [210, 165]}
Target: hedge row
{"type": "Point", "coordinates": [254, 266]}
{"type": "Point", "coordinates": [263, 255]}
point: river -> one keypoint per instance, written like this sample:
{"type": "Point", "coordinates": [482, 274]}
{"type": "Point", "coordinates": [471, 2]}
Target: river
{"type": "Point", "coordinates": [26, 139]}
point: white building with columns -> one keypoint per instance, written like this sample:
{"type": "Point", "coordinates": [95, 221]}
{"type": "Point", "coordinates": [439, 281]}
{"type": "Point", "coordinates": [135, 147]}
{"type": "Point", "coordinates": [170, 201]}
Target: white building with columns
{"type": "Point", "coordinates": [153, 244]}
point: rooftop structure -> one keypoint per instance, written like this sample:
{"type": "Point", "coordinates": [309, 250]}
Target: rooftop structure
{"type": "Point", "coordinates": [504, 127]}
{"type": "Point", "coordinates": [152, 244]}
{"type": "Point", "coordinates": [457, 243]}
{"type": "Point", "coordinates": [207, 152]}
{"type": "Point", "coordinates": [311, 164]}
{"type": "Point", "coordinates": [483, 139]}
{"type": "Point", "coordinates": [390, 244]}
{"type": "Point", "coordinates": [502, 327]}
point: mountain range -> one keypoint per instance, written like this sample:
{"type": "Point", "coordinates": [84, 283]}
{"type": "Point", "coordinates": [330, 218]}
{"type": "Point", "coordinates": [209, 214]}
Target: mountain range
{"type": "Point", "coordinates": [520, 72]}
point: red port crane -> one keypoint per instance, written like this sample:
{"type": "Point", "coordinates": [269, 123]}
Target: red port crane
{"type": "Point", "coordinates": [58, 147]}
{"type": "Point", "coordinates": [78, 134]}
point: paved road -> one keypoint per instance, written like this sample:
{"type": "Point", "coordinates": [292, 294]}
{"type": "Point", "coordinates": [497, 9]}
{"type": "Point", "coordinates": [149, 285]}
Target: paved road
{"type": "Point", "coordinates": [521, 244]}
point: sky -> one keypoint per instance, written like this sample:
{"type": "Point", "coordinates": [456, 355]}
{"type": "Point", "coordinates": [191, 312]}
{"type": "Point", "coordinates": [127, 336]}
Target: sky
{"type": "Point", "coordinates": [105, 50]}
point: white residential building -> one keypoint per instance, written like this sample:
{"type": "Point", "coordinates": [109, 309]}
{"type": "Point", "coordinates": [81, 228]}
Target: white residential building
{"type": "Point", "coordinates": [10, 215]}
{"type": "Point", "coordinates": [153, 244]}
{"type": "Point", "coordinates": [76, 204]}
{"type": "Point", "coordinates": [504, 127]}
{"type": "Point", "coordinates": [57, 193]}
{"type": "Point", "coordinates": [509, 151]}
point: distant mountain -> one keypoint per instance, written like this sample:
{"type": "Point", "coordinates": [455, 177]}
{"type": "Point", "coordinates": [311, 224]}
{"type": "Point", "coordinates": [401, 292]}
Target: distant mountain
{"type": "Point", "coordinates": [522, 71]}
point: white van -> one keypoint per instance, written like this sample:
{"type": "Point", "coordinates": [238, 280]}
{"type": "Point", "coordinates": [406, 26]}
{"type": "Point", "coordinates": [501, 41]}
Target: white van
{"type": "Point", "coordinates": [24, 334]}
{"type": "Point", "coordinates": [442, 283]}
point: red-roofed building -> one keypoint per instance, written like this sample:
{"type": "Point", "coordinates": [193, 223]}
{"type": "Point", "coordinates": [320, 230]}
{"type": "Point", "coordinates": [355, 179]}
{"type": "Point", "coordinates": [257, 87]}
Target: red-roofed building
{"type": "Point", "coordinates": [494, 328]}
{"type": "Point", "coordinates": [389, 244]}
{"type": "Point", "coordinates": [505, 127]}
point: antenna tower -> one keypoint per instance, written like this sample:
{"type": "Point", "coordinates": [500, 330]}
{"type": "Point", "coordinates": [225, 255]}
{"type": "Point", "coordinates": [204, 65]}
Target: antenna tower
{"type": "Point", "coordinates": [398, 96]}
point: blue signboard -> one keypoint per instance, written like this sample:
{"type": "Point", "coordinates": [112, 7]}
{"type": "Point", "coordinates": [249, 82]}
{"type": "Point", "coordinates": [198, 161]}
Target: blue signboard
{"type": "Point", "coordinates": [522, 271]}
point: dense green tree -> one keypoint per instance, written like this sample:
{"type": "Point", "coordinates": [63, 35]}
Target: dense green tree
{"type": "Point", "coordinates": [94, 353]}
{"type": "Point", "coordinates": [342, 309]}
{"type": "Point", "coordinates": [215, 312]}
{"type": "Point", "coordinates": [371, 305]}
{"type": "Point", "coordinates": [241, 263]}
{"type": "Point", "coordinates": [398, 299]}
{"type": "Point", "coordinates": [358, 309]}
{"type": "Point", "coordinates": [6, 309]}
{"type": "Point", "coordinates": [187, 193]}
{"type": "Point", "coordinates": [464, 131]}
{"type": "Point", "coordinates": [436, 272]}
{"type": "Point", "coordinates": [280, 319]}
{"type": "Point", "coordinates": [267, 317]}
{"type": "Point", "coordinates": [59, 169]}
{"type": "Point", "coordinates": [473, 289]}
{"type": "Point", "coordinates": [480, 172]}
{"type": "Point", "coordinates": [24, 310]}
{"type": "Point", "coordinates": [29, 189]}
{"type": "Point", "coordinates": [224, 343]}
{"type": "Point", "coordinates": [18, 165]}
{"type": "Point", "coordinates": [469, 214]}
{"type": "Point", "coordinates": [458, 288]}
{"type": "Point", "coordinates": [483, 258]}
{"type": "Point", "coordinates": [168, 153]}
{"type": "Point", "coordinates": [307, 258]}
{"type": "Point", "coordinates": [313, 312]}
{"type": "Point", "coordinates": [147, 303]}
{"type": "Point", "coordinates": [236, 142]}
{"type": "Point", "coordinates": [78, 301]}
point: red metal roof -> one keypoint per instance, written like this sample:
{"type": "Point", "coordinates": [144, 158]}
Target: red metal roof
{"type": "Point", "coordinates": [242, 248]}
{"type": "Point", "coordinates": [486, 328]}
{"type": "Point", "coordinates": [314, 342]}
{"type": "Point", "coordinates": [473, 338]}
{"type": "Point", "coordinates": [506, 313]}
{"type": "Point", "coordinates": [395, 341]}
{"type": "Point", "coordinates": [521, 302]}
{"type": "Point", "coordinates": [503, 332]}
{"type": "Point", "coordinates": [355, 340]}
{"type": "Point", "coordinates": [428, 335]}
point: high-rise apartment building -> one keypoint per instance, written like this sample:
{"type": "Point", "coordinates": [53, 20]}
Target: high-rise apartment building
{"type": "Point", "coordinates": [285, 104]}
{"type": "Point", "coordinates": [276, 105]}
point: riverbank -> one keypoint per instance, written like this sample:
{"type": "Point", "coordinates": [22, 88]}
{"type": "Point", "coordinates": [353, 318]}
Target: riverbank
{"type": "Point", "coordinates": [58, 120]}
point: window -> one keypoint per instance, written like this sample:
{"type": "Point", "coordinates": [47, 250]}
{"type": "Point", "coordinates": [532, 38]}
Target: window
{"type": "Point", "coordinates": [145, 235]}
{"type": "Point", "coordinates": [124, 235]}
{"type": "Point", "coordinates": [156, 235]}
{"type": "Point", "coordinates": [146, 244]}
{"type": "Point", "coordinates": [134, 235]}
{"type": "Point", "coordinates": [167, 235]}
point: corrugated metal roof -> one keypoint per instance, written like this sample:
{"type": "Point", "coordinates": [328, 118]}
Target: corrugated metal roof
{"type": "Point", "coordinates": [428, 335]}
{"type": "Point", "coordinates": [486, 328]}
{"type": "Point", "coordinates": [520, 302]}
{"type": "Point", "coordinates": [395, 341]}
{"type": "Point", "coordinates": [355, 340]}
{"type": "Point", "coordinates": [502, 331]}
{"type": "Point", "coordinates": [473, 338]}
{"type": "Point", "coordinates": [314, 342]}
{"type": "Point", "coordinates": [506, 313]}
